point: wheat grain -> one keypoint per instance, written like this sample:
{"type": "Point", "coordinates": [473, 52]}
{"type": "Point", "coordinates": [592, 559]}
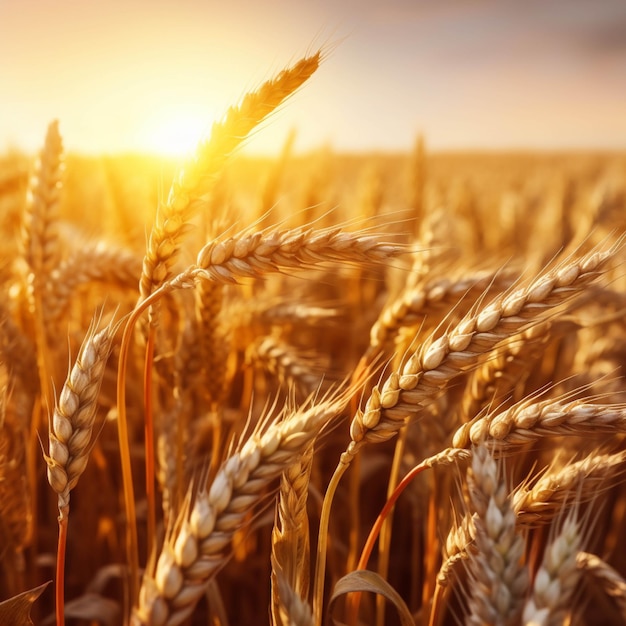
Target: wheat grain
{"type": "Point", "coordinates": [290, 545]}
{"type": "Point", "coordinates": [430, 369]}
{"type": "Point", "coordinates": [557, 577]}
{"type": "Point", "coordinates": [498, 579]}
{"type": "Point", "coordinates": [73, 419]}
{"type": "Point", "coordinates": [40, 233]}
{"type": "Point", "coordinates": [203, 533]}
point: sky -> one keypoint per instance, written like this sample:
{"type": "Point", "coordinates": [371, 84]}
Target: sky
{"type": "Point", "coordinates": [152, 75]}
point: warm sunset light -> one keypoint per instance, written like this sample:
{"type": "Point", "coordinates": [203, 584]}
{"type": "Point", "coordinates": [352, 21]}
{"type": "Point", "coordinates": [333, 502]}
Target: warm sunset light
{"type": "Point", "coordinates": [312, 312]}
{"type": "Point", "coordinates": [171, 132]}
{"type": "Point", "coordinates": [480, 74]}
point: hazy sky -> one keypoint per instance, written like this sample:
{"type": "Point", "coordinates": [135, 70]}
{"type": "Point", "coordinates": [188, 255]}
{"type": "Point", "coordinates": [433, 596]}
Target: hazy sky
{"type": "Point", "coordinates": [141, 75]}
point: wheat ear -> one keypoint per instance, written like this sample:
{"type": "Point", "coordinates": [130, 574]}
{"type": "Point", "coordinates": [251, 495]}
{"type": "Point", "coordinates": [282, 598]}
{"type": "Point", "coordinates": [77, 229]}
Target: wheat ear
{"type": "Point", "coordinates": [73, 419]}
{"type": "Point", "coordinates": [508, 364]}
{"type": "Point", "coordinates": [293, 369]}
{"type": "Point", "coordinates": [70, 432]}
{"type": "Point", "coordinates": [554, 583]}
{"type": "Point", "coordinates": [439, 360]}
{"type": "Point", "coordinates": [432, 298]}
{"type": "Point", "coordinates": [540, 502]}
{"type": "Point", "coordinates": [99, 262]}
{"type": "Point", "coordinates": [528, 421]}
{"type": "Point", "coordinates": [198, 178]}
{"type": "Point", "coordinates": [254, 254]}
{"type": "Point", "coordinates": [290, 545]}
{"type": "Point", "coordinates": [40, 229]}
{"type": "Point", "coordinates": [200, 543]}
{"type": "Point", "coordinates": [611, 581]}
{"type": "Point", "coordinates": [294, 611]}
{"type": "Point", "coordinates": [455, 549]}
{"type": "Point", "coordinates": [498, 578]}
{"type": "Point", "coordinates": [41, 247]}
{"type": "Point", "coordinates": [213, 341]}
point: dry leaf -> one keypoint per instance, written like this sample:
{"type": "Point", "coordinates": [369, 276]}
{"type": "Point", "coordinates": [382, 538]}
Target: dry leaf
{"type": "Point", "coordinates": [16, 610]}
{"type": "Point", "coordinates": [365, 580]}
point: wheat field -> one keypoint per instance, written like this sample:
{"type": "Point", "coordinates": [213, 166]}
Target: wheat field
{"type": "Point", "coordinates": [316, 389]}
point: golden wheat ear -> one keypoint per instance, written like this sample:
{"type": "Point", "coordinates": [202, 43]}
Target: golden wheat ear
{"type": "Point", "coordinates": [70, 433]}
{"type": "Point", "coordinates": [552, 592]}
{"type": "Point", "coordinates": [201, 541]}
{"type": "Point", "coordinates": [498, 578]}
{"type": "Point", "coordinates": [197, 179]}
{"type": "Point", "coordinates": [74, 415]}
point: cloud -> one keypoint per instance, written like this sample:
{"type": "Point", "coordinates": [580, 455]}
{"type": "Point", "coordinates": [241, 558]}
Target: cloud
{"type": "Point", "coordinates": [607, 38]}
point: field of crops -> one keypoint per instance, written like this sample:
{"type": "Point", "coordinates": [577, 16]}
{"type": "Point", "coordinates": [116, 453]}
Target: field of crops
{"type": "Point", "coordinates": [322, 388]}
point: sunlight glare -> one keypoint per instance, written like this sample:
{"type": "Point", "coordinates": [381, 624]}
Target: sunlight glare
{"type": "Point", "coordinates": [175, 134]}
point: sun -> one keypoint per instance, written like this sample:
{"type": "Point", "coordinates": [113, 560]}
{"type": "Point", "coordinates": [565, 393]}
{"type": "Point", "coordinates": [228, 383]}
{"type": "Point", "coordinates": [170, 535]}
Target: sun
{"type": "Point", "coordinates": [174, 133]}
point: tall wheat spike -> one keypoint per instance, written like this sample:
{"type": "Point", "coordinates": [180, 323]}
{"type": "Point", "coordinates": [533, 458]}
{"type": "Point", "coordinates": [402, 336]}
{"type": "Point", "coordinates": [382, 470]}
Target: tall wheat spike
{"type": "Point", "coordinates": [190, 188]}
